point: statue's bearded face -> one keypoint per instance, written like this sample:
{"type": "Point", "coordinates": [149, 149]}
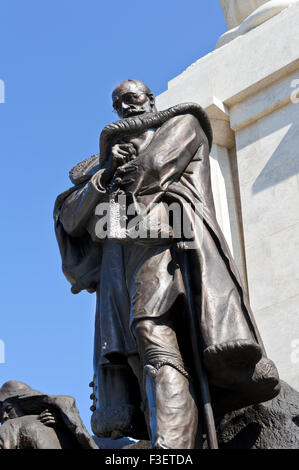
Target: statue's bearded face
{"type": "Point", "coordinates": [131, 98]}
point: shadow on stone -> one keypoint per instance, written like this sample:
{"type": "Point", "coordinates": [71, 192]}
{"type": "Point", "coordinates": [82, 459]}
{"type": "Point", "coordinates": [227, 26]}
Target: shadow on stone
{"type": "Point", "coordinates": [270, 425]}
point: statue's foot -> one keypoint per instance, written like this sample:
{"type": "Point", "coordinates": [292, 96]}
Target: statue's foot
{"type": "Point", "coordinates": [240, 366]}
{"type": "Point", "coordinates": [219, 359]}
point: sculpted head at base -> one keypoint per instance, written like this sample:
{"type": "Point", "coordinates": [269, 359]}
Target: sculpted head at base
{"type": "Point", "coordinates": [133, 97]}
{"type": "Point", "coordinates": [33, 420]}
{"type": "Point", "coordinates": [10, 410]}
{"type": "Point", "coordinates": [12, 394]}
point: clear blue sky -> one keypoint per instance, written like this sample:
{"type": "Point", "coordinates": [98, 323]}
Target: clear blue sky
{"type": "Point", "coordinates": [60, 60]}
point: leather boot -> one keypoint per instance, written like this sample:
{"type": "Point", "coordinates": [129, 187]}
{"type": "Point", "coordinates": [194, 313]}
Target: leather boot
{"type": "Point", "coordinates": [172, 413]}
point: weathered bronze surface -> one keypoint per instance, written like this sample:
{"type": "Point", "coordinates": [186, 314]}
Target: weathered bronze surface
{"type": "Point", "coordinates": [163, 306]}
{"type": "Point", "coordinates": [33, 420]}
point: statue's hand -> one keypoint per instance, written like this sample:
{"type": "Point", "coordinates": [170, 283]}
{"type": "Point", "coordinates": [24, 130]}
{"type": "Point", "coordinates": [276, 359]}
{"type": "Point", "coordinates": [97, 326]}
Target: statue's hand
{"type": "Point", "coordinates": [48, 418]}
{"type": "Point", "coordinates": [122, 154]}
{"type": "Point", "coordinates": [129, 177]}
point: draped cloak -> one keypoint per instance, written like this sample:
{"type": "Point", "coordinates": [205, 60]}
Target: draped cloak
{"type": "Point", "coordinates": [174, 167]}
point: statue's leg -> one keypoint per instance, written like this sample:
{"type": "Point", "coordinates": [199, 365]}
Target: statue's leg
{"type": "Point", "coordinates": [170, 400]}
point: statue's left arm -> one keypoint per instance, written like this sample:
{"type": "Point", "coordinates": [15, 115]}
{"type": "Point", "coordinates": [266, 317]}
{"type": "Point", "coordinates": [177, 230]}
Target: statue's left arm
{"type": "Point", "coordinates": [80, 205]}
{"type": "Point", "coordinates": [165, 159]}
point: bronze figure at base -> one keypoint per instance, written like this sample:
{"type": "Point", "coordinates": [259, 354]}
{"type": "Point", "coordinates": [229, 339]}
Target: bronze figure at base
{"type": "Point", "coordinates": [33, 420]}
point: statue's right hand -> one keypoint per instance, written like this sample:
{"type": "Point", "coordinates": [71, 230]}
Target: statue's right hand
{"type": "Point", "coordinates": [48, 418]}
{"type": "Point", "coordinates": [122, 154]}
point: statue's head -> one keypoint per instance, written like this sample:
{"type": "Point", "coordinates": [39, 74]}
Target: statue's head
{"type": "Point", "coordinates": [17, 399]}
{"type": "Point", "coordinates": [133, 97]}
{"type": "Point", "coordinates": [10, 409]}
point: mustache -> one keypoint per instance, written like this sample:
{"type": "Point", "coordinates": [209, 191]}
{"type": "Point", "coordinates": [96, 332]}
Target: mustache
{"type": "Point", "coordinates": [134, 111]}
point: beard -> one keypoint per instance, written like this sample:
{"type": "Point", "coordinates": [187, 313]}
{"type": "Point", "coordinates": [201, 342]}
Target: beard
{"type": "Point", "coordinates": [137, 111]}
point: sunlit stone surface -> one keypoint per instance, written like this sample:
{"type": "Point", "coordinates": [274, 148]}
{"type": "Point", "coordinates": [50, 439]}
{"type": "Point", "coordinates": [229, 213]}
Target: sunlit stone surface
{"type": "Point", "coordinates": [250, 89]}
{"type": "Point", "coordinates": [243, 15]}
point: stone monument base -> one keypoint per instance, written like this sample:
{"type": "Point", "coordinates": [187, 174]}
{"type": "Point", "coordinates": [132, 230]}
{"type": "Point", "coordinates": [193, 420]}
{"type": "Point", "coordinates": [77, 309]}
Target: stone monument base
{"type": "Point", "coordinates": [270, 425]}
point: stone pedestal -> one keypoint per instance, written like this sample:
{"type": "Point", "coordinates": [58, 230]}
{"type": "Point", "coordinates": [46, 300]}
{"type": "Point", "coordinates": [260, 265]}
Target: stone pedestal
{"type": "Point", "coordinates": [243, 15]}
{"type": "Point", "coordinates": [249, 89]}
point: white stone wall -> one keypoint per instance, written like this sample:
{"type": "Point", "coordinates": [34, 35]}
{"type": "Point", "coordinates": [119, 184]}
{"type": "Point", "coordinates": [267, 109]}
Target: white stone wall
{"type": "Point", "coordinates": [243, 15]}
{"type": "Point", "coordinates": [268, 159]}
{"type": "Point", "coordinates": [236, 11]}
{"type": "Point", "coordinates": [246, 88]}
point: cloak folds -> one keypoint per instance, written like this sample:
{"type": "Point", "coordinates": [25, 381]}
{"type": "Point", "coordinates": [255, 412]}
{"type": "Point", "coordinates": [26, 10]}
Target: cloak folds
{"type": "Point", "coordinates": [174, 167]}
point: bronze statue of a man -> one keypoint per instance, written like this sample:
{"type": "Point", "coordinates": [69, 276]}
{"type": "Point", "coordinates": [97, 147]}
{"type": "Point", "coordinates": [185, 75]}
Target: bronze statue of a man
{"type": "Point", "coordinates": [163, 305]}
